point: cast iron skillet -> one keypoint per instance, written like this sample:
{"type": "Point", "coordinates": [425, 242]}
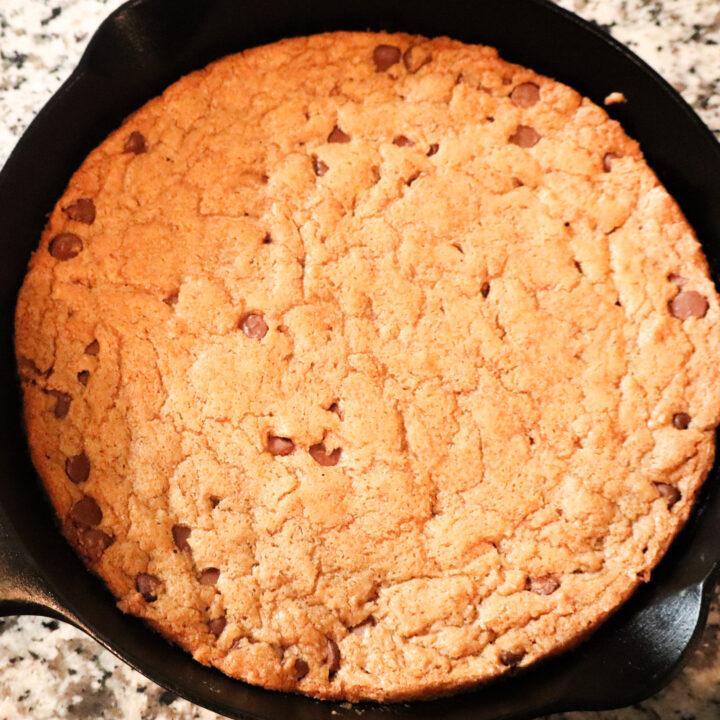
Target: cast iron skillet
{"type": "Point", "coordinates": [135, 54]}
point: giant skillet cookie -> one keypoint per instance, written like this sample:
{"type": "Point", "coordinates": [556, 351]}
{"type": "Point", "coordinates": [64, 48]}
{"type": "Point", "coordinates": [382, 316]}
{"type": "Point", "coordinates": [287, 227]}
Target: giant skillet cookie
{"type": "Point", "coordinates": [369, 366]}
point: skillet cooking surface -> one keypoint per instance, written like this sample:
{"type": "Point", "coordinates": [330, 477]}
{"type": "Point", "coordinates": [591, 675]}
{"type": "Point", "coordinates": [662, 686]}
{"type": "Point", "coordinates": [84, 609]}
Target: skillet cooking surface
{"type": "Point", "coordinates": [136, 53]}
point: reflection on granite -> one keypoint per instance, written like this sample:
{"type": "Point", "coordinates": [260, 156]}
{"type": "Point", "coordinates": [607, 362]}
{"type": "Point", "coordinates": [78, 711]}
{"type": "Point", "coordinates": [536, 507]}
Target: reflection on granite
{"type": "Point", "coordinates": [50, 670]}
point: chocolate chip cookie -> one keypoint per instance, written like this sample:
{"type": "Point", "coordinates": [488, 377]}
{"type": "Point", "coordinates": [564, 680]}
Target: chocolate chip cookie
{"type": "Point", "coordinates": [369, 366]}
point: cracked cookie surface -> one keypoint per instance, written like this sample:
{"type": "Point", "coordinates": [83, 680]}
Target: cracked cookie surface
{"type": "Point", "coordinates": [369, 366]}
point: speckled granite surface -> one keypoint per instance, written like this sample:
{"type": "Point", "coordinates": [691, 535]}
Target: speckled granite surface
{"type": "Point", "coordinates": [49, 670]}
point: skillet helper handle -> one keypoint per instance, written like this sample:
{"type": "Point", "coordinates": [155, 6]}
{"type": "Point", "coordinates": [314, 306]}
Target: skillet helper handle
{"type": "Point", "coordinates": [22, 589]}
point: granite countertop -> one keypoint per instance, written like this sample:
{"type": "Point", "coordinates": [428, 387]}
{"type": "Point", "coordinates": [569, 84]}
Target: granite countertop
{"type": "Point", "coordinates": [49, 669]}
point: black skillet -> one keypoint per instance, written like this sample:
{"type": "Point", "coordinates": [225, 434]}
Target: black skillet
{"type": "Point", "coordinates": [138, 51]}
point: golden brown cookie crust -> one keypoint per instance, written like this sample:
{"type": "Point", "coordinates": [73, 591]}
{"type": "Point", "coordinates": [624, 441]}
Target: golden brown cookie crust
{"type": "Point", "coordinates": [369, 366]}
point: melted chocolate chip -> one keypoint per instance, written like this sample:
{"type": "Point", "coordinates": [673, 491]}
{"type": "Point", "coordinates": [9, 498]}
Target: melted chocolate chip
{"type": "Point", "coordinates": [525, 95]}
{"type": "Point", "coordinates": [608, 160]}
{"type": "Point", "coordinates": [217, 625]}
{"type": "Point", "coordinates": [511, 657]}
{"type": "Point", "coordinates": [172, 298]}
{"type": "Point", "coordinates": [135, 143]}
{"type": "Point", "coordinates": [320, 455]}
{"type": "Point", "coordinates": [543, 585]}
{"type": "Point", "coordinates": [83, 376]}
{"type": "Point", "coordinates": [65, 246]}
{"type": "Point", "coordinates": [93, 348]}
{"type": "Point", "coordinates": [688, 303]}
{"type": "Point", "coordinates": [93, 543]}
{"type": "Point", "coordinates": [385, 56]}
{"type": "Point", "coordinates": [332, 657]}
{"type": "Point", "coordinates": [82, 210]}
{"type": "Point", "coordinates": [214, 501]}
{"type": "Point", "coordinates": [319, 167]}
{"type": "Point", "coordinates": [485, 289]}
{"type": "Point", "coordinates": [300, 669]}
{"type": "Point", "coordinates": [433, 149]}
{"type": "Point", "coordinates": [669, 492]}
{"type": "Point", "coordinates": [209, 576]}
{"type": "Point", "coordinates": [525, 136]}
{"type": "Point", "coordinates": [267, 240]}
{"type": "Point", "coordinates": [148, 586]}
{"type": "Point", "coordinates": [338, 136]}
{"type": "Point", "coordinates": [415, 57]}
{"type": "Point", "coordinates": [335, 408]}
{"type": "Point", "coordinates": [279, 445]}
{"type": "Point", "coordinates": [254, 326]}
{"type": "Point", "coordinates": [180, 534]}
{"type": "Point", "coordinates": [86, 512]}
{"type": "Point", "coordinates": [77, 468]}
{"type": "Point", "coordinates": [402, 141]}
{"type": "Point", "coordinates": [681, 421]}
{"type": "Point", "coordinates": [62, 403]}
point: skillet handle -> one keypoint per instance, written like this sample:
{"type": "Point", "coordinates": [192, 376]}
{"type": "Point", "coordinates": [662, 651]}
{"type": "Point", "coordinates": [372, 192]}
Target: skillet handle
{"type": "Point", "coordinates": [22, 589]}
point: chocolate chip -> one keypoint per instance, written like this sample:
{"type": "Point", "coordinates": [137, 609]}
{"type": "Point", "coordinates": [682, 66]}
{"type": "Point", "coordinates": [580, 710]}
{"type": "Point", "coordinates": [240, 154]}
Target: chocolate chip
{"type": "Point", "coordinates": [93, 348]}
{"type": "Point", "coordinates": [93, 543]}
{"type": "Point", "coordinates": [209, 576]}
{"type": "Point", "coordinates": [217, 625]}
{"type": "Point", "coordinates": [27, 367]}
{"type": "Point", "coordinates": [82, 210]}
{"type": "Point", "coordinates": [511, 657]}
{"type": "Point", "coordinates": [679, 280]}
{"type": "Point", "coordinates": [338, 136]}
{"type": "Point", "coordinates": [65, 246]}
{"type": "Point", "coordinates": [362, 629]}
{"type": "Point", "coordinates": [669, 492]}
{"type": "Point", "coordinates": [402, 141]}
{"type": "Point", "coordinates": [300, 669]}
{"type": "Point", "coordinates": [180, 534]}
{"type": "Point", "coordinates": [607, 160]}
{"type": "Point", "coordinates": [335, 408]}
{"type": "Point", "coordinates": [412, 178]}
{"type": "Point", "coordinates": [681, 421]}
{"type": "Point", "coordinates": [172, 298]}
{"type": "Point", "coordinates": [148, 586]}
{"type": "Point", "coordinates": [83, 376]}
{"type": "Point", "coordinates": [319, 167]}
{"type": "Point", "coordinates": [525, 136]}
{"type": "Point", "coordinates": [214, 501]}
{"type": "Point", "coordinates": [485, 289]}
{"type": "Point", "coordinates": [385, 56]}
{"type": "Point", "coordinates": [279, 445]}
{"type": "Point", "coordinates": [77, 468]}
{"type": "Point", "coordinates": [525, 95]}
{"type": "Point", "coordinates": [254, 326]}
{"type": "Point", "coordinates": [689, 303]}
{"type": "Point", "coordinates": [62, 403]}
{"type": "Point", "coordinates": [135, 143]}
{"type": "Point", "coordinates": [433, 149]}
{"type": "Point", "coordinates": [86, 512]}
{"type": "Point", "coordinates": [332, 657]}
{"type": "Point", "coordinates": [320, 455]}
{"type": "Point", "coordinates": [267, 240]}
{"type": "Point", "coordinates": [543, 585]}
{"type": "Point", "coordinates": [415, 57]}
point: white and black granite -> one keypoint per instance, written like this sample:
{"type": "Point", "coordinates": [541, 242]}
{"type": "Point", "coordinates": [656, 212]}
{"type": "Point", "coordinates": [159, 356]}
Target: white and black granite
{"type": "Point", "coordinates": [50, 670]}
